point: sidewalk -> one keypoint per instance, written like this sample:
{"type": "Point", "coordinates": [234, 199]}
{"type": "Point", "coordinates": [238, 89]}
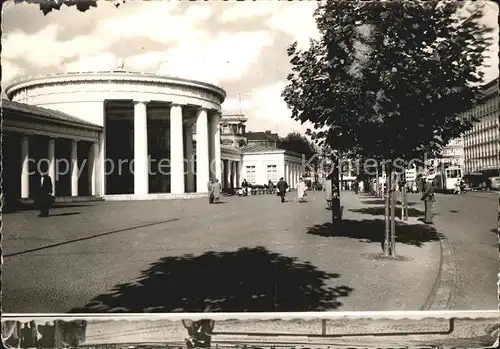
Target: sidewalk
{"type": "Point", "coordinates": [255, 254]}
{"type": "Point", "coordinates": [382, 284]}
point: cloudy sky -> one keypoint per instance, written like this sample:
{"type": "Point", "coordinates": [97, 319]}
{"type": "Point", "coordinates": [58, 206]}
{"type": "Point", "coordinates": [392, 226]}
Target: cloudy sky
{"type": "Point", "coordinates": [240, 46]}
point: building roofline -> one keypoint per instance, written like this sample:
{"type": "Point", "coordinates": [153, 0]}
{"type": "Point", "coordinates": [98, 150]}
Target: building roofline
{"type": "Point", "coordinates": [110, 75]}
{"type": "Point", "coordinates": [270, 151]}
{"type": "Point", "coordinates": [33, 114]}
{"type": "Point", "coordinates": [290, 152]}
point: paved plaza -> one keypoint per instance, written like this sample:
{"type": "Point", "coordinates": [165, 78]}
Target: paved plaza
{"type": "Point", "coordinates": [245, 254]}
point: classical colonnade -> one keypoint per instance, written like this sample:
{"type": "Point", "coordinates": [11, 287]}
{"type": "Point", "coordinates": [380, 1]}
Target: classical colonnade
{"type": "Point", "coordinates": [231, 178]}
{"type": "Point", "coordinates": [205, 127]}
{"type": "Point", "coordinates": [57, 167]}
{"type": "Point", "coordinates": [293, 172]}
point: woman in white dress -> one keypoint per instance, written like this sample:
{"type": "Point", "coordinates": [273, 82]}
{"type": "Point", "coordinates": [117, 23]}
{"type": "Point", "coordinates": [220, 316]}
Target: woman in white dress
{"type": "Point", "coordinates": [301, 190]}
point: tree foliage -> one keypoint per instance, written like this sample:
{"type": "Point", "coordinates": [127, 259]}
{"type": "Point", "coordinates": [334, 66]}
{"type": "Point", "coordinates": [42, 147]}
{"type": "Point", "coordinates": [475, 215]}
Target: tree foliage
{"type": "Point", "coordinates": [46, 6]}
{"type": "Point", "coordinates": [388, 79]}
{"type": "Point", "coordinates": [298, 143]}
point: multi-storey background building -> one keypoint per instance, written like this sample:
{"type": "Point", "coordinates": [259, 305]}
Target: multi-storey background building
{"type": "Point", "coordinates": [453, 153]}
{"type": "Point", "coordinates": [481, 144]}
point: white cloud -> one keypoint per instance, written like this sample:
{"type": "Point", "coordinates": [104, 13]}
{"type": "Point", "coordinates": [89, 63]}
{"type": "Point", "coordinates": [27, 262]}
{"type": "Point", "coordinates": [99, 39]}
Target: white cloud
{"type": "Point", "coordinates": [490, 19]}
{"type": "Point", "coordinates": [226, 57]}
{"type": "Point", "coordinates": [234, 105]}
{"type": "Point", "coordinates": [102, 62]}
{"type": "Point", "coordinates": [249, 9]}
{"type": "Point", "coordinates": [44, 50]}
{"type": "Point", "coordinates": [147, 62]}
{"type": "Point", "coordinates": [10, 71]}
{"type": "Point", "coordinates": [156, 22]}
{"type": "Point", "coordinates": [297, 21]}
{"type": "Point", "coordinates": [199, 12]}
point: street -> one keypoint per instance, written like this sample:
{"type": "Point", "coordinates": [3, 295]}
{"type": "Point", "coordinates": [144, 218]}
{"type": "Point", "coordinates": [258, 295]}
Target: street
{"type": "Point", "coordinates": [469, 221]}
{"type": "Point", "coordinates": [246, 254]}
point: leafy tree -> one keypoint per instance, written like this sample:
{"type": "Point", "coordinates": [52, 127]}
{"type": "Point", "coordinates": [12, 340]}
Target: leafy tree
{"type": "Point", "coordinates": [298, 143]}
{"type": "Point", "coordinates": [389, 79]}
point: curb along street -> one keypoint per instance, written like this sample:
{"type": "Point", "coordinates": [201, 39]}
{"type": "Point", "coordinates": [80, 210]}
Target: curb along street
{"type": "Point", "coordinates": [440, 296]}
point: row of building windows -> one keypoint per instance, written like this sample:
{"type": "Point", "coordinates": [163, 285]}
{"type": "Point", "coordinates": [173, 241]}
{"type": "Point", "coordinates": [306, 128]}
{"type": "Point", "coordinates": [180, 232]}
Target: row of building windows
{"type": "Point", "coordinates": [485, 108]}
{"type": "Point", "coordinates": [272, 173]}
{"type": "Point", "coordinates": [486, 136]}
{"type": "Point", "coordinates": [477, 164]}
{"type": "Point", "coordinates": [250, 170]}
{"type": "Point", "coordinates": [489, 149]}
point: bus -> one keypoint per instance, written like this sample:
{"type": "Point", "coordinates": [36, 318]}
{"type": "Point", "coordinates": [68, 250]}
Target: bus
{"type": "Point", "coordinates": [446, 179]}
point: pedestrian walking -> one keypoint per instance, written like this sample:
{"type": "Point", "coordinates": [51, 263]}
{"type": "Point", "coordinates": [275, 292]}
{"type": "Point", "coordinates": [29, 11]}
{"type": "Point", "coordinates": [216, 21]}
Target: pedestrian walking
{"type": "Point", "coordinates": [44, 198]}
{"type": "Point", "coordinates": [210, 187]}
{"type": "Point", "coordinates": [301, 190]}
{"type": "Point", "coordinates": [217, 189]}
{"type": "Point", "coordinates": [270, 186]}
{"type": "Point", "coordinates": [282, 186]}
{"type": "Point", "coordinates": [429, 198]}
{"type": "Point", "coordinates": [244, 185]}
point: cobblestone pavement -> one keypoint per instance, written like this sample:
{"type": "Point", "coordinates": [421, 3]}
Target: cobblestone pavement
{"type": "Point", "coordinates": [246, 254]}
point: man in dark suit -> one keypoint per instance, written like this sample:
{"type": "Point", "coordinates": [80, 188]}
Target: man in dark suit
{"type": "Point", "coordinates": [429, 199]}
{"type": "Point", "coordinates": [282, 186]}
{"type": "Point", "coordinates": [45, 195]}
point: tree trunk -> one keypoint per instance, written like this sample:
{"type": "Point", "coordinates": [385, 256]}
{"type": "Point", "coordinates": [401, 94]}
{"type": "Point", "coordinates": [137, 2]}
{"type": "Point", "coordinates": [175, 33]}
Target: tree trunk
{"type": "Point", "coordinates": [393, 213]}
{"type": "Point", "coordinates": [377, 184]}
{"type": "Point", "coordinates": [405, 203]}
{"type": "Point", "coordinates": [335, 190]}
{"type": "Point", "coordinates": [387, 213]}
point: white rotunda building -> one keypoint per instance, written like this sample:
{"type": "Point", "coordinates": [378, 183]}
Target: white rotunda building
{"type": "Point", "coordinates": [133, 132]}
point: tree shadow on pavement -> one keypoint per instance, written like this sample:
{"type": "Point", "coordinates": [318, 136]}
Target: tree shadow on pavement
{"type": "Point", "coordinates": [249, 279]}
{"type": "Point", "coordinates": [382, 202]}
{"type": "Point", "coordinates": [380, 211]}
{"type": "Point", "coordinates": [373, 230]}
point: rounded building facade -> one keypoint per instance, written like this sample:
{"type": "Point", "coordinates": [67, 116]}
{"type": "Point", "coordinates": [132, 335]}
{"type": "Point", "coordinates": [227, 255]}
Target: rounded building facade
{"type": "Point", "coordinates": [146, 145]}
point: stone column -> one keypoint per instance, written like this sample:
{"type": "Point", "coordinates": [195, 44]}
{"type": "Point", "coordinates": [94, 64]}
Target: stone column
{"type": "Point", "coordinates": [285, 173]}
{"type": "Point", "coordinates": [230, 183]}
{"type": "Point", "coordinates": [289, 175]}
{"type": "Point", "coordinates": [234, 169]}
{"type": "Point", "coordinates": [223, 177]}
{"type": "Point", "coordinates": [176, 150]}
{"type": "Point", "coordinates": [189, 158]}
{"type": "Point", "coordinates": [52, 163]}
{"type": "Point", "coordinates": [100, 155]}
{"type": "Point", "coordinates": [238, 174]}
{"type": "Point", "coordinates": [141, 163]}
{"type": "Point", "coordinates": [215, 141]}
{"type": "Point", "coordinates": [92, 168]}
{"type": "Point", "coordinates": [74, 168]}
{"type": "Point", "coordinates": [202, 153]}
{"type": "Point", "coordinates": [25, 169]}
